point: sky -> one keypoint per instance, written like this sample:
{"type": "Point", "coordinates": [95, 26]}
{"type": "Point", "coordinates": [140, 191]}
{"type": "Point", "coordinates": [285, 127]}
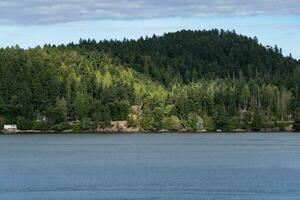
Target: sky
{"type": "Point", "coordinates": [29, 23]}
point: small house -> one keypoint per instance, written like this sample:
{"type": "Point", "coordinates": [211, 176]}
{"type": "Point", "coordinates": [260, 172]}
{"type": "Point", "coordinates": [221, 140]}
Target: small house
{"type": "Point", "coordinates": [42, 118]}
{"type": "Point", "coordinates": [10, 128]}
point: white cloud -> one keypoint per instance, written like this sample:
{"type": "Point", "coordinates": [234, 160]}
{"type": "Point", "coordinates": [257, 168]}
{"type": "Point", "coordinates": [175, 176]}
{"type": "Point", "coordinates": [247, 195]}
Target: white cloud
{"type": "Point", "coordinates": [29, 12]}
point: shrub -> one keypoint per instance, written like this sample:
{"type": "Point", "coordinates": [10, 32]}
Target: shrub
{"type": "Point", "coordinates": [282, 124]}
{"type": "Point", "coordinates": [62, 126]}
{"type": "Point", "coordinates": [194, 122]}
{"type": "Point", "coordinates": [132, 121]}
{"type": "Point", "coordinates": [147, 123]}
{"type": "Point", "coordinates": [41, 125]}
{"type": "Point", "coordinates": [24, 124]}
{"type": "Point", "coordinates": [209, 123]}
{"type": "Point", "coordinates": [297, 120]}
{"type": "Point", "coordinates": [233, 123]}
{"type": "Point", "coordinates": [1, 123]}
{"type": "Point", "coordinates": [76, 127]}
{"type": "Point", "coordinates": [172, 123]}
{"type": "Point", "coordinates": [260, 121]}
{"type": "Point", "coordinates": [86, 124]}
{"type": "Point", "coordinates": [297, 126]}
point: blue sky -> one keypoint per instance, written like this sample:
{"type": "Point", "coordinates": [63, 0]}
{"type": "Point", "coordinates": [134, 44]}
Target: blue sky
{"type": "Point", "coordinates": [32, 22]}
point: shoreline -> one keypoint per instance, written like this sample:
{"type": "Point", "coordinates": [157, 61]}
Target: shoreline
{"type": "Point", "coordinates": [136, 132]}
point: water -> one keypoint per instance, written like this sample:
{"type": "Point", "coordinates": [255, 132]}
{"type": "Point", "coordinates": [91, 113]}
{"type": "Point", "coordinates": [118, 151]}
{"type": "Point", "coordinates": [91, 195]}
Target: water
{"type": "Point", "coordinates": [153, 166]}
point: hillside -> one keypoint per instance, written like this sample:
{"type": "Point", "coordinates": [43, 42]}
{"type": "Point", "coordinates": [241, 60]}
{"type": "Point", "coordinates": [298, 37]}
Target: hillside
{"type": "Point", "coordinates": [188, 80]}
{"type": "Point", "coordinates": [190, 55]}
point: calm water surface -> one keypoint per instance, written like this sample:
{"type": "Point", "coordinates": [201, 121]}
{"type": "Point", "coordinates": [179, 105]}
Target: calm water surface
{"type": "Point", "coordinates": [153, 166]}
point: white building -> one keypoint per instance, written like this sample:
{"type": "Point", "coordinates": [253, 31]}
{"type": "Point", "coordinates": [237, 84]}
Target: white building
{"type": "Point", "coordinates": [41, 118]}
{"type": "Point", "coordinates": [10, 128]}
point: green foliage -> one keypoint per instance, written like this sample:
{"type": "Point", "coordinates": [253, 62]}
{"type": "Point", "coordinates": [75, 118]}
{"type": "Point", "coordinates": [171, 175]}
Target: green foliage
{"type": "Point", "coordinates": [283, 124]}
{"type": "Point", "coordinates": [259, 121]}
{"type": "Point", "coordinates": [187, 74]}
{"type": "Point", "coordinates": [100, 112]}
{"type": "Point", "coordinates": [57, 113]}
{"type": "Point", "coordinates": [172, 123]}
{"type": "Point", "coordinates": [132, 122]}
{"type": "Point", "coordinates": [75, 127]}
{"type": "Point", "coordinates": [119, 110]}
{"type": "Point", "coordinates": [86, 124]}
{"type": "Point", "coordinates": [209, 123]}
{"type": "Point", "coordinates": [24, 124]}
{"type": "Point", "coordinates": [297, 120]}
{"type": "Point", "coordinates": [158, 116]}
{"type": "Point", "coordinates": [61, 107]}
{"type": "Point", "coordinates": [194, 123]}
{"type": "Point", "coordinates": [81, 105]}
{"type": "Point", "coordinates": [153, 114]}
{"type": "Point", "coordinates": [41, 125]}
{"type": "Point", "coordinates": [62, 126]}
{"type": "Point", "coordinates": [188, 55]}
{"type": "Point", "coordinates": [221, 116]}
{"type": "Point", "coordinates": [297, 126]}
{"type": "Point", "coordinates": [107, 80]}
{"type": "Point", "coordinates": [147, 122]}
{"type": "Point", "coordinates": [1, 123]}
{"type": "Point", "coordinates": [233, 124]}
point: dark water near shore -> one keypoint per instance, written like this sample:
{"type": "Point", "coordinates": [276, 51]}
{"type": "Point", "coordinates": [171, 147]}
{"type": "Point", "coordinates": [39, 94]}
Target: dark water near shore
{"type": "Point", "coordinates": [153, 166]}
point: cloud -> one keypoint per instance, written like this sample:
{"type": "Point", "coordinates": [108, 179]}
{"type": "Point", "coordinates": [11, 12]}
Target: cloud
{"type": "Point", "coordinates": [31, 12]}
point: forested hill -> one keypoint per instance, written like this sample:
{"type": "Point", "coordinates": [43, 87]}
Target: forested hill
{"type": "Point", "coordinates": [190, 55]}
{"type": "Point", "coordinates": [188, 80]}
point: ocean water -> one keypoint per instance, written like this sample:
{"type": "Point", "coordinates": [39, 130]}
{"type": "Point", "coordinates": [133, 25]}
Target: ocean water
{"type": "Point", "coordinates": [150, 166]}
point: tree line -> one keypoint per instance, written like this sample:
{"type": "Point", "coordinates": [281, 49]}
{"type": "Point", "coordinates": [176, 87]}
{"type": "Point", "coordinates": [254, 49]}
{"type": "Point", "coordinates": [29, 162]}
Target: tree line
{"type": "Point", "coordinates": [188, 80]}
